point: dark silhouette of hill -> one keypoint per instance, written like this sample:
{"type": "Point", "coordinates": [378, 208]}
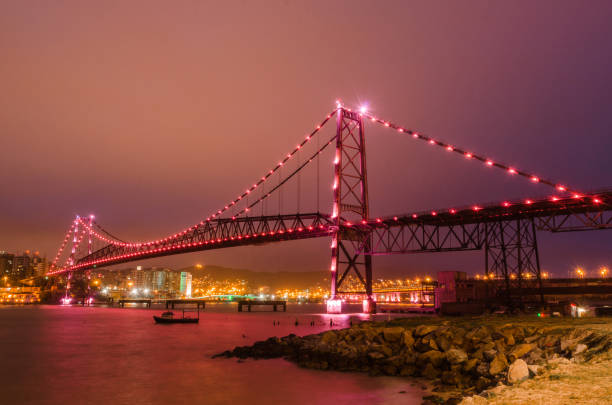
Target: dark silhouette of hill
{"type": "Point", "coordinates": [274, 280]}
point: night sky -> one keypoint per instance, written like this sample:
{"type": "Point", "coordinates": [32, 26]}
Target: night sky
{"type": "Point", "coordinates": [151, 115]}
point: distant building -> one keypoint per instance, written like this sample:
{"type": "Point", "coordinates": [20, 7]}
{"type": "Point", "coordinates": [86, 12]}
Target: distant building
{"type": "Point", "coordinates": [185, 287]}
{"type": "Point", "coordinates": [6, 266]}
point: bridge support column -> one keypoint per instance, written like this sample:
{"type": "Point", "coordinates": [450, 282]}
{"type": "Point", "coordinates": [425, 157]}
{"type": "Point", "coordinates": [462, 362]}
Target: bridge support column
{"type": "Point", "coordinates": [350, 204]}
{"type": "Point", "coordinates": [512, 255]}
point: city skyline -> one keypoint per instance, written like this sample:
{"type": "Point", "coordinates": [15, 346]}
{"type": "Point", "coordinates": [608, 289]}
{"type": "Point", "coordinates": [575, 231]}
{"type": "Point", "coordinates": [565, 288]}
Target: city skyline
{"type": "Point", "coordinates": [187, 139]}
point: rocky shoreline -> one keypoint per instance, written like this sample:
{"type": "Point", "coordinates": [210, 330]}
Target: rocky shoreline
{"type": "Point", "coordinates": [461, 360]}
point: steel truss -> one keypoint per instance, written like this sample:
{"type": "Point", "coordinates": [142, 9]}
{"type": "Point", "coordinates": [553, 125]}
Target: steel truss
{"type": "Point", "coordinates": [350, 204]}
{"type": "Point", "coordinates": [511, 252]}
{"type": "Point", "coordinates": [216, 234]}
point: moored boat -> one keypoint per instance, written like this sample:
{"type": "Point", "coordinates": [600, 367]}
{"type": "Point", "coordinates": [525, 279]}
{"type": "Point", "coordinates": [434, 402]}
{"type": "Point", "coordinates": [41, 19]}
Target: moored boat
{"type": "Point", "coordinates": [168, 317]}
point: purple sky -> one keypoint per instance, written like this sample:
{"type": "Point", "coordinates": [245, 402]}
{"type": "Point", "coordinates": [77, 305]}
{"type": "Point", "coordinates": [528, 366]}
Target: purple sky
{"type": "Point", "coordinates": [153, 114]}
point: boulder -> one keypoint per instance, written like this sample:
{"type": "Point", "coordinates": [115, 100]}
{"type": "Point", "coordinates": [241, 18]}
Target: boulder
{"type": "Point", "coordinates": [498, 365]}
{"type": "Point", "coordinates": [518, 371]}
{"type": "Point", "coordinates": [533, 369]}
{"type": "Point", "coordinates": [407, 371]}
{"type": "Point", "coordinates": [521, 350]}
{"type": "Point", "coordinates": [580, 347]}
{"type": "Point", "coordinates": [329, 337]}
{"type": "Point", "coordinates": [456, 356]}
{"type": "Point", "coordinates": [430, 372]}
{"type": "Point", "coordinates": [490, 354]}
{"type": "Point", "coordinates": [443, 343]}
{"type": "Point", "coordinates": [451, 377]}
{"type": "Point", "coordinates": [470, 365]}
{"type": "Point", "coordinates": [408, 339]}
{"type": "Point", "coordinates": [424, 330]}
{"type": "Point", "coordinates": [474, 400]}
{"type": "Point", "coordinates": [433, 357]}
{"type": "Point", "coordinates": [393, 334]}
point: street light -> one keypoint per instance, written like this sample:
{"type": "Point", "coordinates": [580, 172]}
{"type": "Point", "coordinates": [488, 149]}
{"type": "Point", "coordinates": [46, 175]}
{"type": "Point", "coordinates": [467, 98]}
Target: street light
{"type": "Point", "coordinates": [603, 272]}
{"type": "Point", "coordinates": [580, 272]}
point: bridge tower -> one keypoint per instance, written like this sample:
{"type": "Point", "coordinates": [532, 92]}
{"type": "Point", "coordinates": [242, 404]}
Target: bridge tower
{"type": "Point", "coordinates": [350, 204]}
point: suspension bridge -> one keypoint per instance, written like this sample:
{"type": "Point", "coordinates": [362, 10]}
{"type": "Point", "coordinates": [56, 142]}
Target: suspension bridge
{"type": "Point", "coordinates": [272, 210]}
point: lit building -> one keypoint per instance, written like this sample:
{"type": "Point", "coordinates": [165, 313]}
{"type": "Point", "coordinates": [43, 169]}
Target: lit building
{"type": "Point", "coordinates": [6, 266]}
{"type": "Point", "coordinates": [185, 287]}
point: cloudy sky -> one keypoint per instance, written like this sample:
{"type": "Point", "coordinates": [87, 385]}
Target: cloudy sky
{"type": "Point", "coordinates": [153, 114]}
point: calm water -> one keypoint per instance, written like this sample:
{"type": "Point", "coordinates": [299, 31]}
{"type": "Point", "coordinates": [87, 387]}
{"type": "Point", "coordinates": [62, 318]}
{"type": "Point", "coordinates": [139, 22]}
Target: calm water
{"type": "Point", "coordinates": [75, 355]}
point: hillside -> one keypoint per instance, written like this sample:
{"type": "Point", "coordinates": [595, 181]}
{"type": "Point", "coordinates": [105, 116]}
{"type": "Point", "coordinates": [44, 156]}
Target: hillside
{"type": "Point", "coordinates": [275, 280]}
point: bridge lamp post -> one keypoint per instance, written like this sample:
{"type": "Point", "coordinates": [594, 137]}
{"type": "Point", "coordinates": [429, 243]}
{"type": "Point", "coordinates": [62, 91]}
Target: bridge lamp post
{"type": "Point", "coordinates": [603, 272]}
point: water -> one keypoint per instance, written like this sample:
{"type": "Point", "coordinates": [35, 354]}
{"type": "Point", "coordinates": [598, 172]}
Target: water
{"type": "Point", "coordinates": [75, 355]}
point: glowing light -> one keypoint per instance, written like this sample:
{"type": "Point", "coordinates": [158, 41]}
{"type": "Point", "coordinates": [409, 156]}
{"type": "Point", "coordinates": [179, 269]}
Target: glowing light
{"type": "Point", "coordinates": [363, 109]}
{"type": "Point", "coordinates": [489, 163]}
{"type": "Point", "coordinates": [511, 171]}
{"type": "Point", "coordinates": [468, 155]}
{"type": "Point", "coordinates": [334, 306]}
{"type": "Point", "coordinates": [535, 179]}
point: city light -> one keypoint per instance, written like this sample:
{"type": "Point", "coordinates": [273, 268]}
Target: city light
{"type": "Point", "coordinates": [604, 272]}
{"type": "Point", "coordinates": [580, 272]}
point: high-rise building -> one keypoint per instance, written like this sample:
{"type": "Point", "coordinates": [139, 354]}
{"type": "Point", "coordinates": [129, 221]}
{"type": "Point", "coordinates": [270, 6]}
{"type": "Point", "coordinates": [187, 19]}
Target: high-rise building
{"type": "Point", "coordinates": [185, 287]}
{"type": "Point", "coordinates": [6, 267]}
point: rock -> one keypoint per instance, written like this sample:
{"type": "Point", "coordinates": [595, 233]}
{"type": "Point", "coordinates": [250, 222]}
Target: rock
{"type": "Point", "coordinates": [509, 337]}
{"type": "Point", "coordinates": [443, 343]}
{"type": "Point", "coordinates": [407, 371]}
{"type": "Point", "coordinates": [376, 355]}
{"type": "Point", "coordinates": [328, 337]}
{"type": "Point", "coordinates": [490, 354]}
{"type": "Point", "coordinates": [518, 371]}
{"type": "Point", "coordinates": [482, 384]}
{"type": "Point", "coordinates": [393, 334]}
{"type": "Point", "coordinates": [451, 377]}
{"type": "Point", "coordinates": [433, 357]}
{"type": "Point", "coordinates": [430, 372]}
{"type": "Point", "coordinates": [426, 344]}
{"type": "Point", "coordinates": [533, 369]}
{"type": "Point", "coordinates": [456, 356]}
{"type": "Point", "coordinates": [408, 339]}
{"type": "Point", "coordinates": [424, 330]}
{"type": "Point", "coordinates": [474, 400]}
{"type": "Point", "coordinates": [580, 347]}
{"type": "Point", "coordinates": [470, 365]}
{"type": "Point", "coordinates": [521, 350]}
{"type": "Point", "coordinates": [483, 369]}
{"type": "Point", "coordinates": [498, 365]}
{"type": "Point", "coordinates": [497, 390]}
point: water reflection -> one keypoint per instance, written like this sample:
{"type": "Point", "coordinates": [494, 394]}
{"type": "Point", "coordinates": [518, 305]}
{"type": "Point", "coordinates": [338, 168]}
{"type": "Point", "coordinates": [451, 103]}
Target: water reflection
{"type": "Point", "coordinates": [75, 355]}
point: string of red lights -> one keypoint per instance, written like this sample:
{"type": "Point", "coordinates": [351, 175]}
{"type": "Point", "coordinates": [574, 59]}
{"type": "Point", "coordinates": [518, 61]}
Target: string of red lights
{"type": "Point", "coordinates": [470, 155]}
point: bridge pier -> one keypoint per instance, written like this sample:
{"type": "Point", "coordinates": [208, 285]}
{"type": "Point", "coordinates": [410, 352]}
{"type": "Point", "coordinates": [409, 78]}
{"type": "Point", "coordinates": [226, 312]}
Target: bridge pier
{"type": "Point", "coordinates": [511, 252]}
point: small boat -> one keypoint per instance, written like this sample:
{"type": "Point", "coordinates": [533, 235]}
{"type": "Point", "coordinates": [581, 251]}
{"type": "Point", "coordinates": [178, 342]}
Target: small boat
{"type": "Point", "coordinates": [168, 317]}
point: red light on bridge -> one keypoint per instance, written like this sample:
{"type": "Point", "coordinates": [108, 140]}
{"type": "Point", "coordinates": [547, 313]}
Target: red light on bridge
{"type": "Point", "coordinates": [434, 213]}
{"type": "Point", "coordinates": [476, 208]}
{"type": "Point", "coordinates": [449, 148]}
{"type": "Point", "coordinates": [506, 204]}
{"type": "Point", "coordinates": [596, 200]}
{"type": "Point", "coordinates": [414, 215]}
{"type": "Point", "coordinates": [432, 142]}
{"type": "Point", "coordinates": [489, 163]}
{"type": "Point", "coordinates": [452, 211]}
{"type": "Point", "coordinates": [535, 179]}
{"type": "Point", "coordinates": [468, 155]}
{"type": "Point", "coordinates": [528, 202]}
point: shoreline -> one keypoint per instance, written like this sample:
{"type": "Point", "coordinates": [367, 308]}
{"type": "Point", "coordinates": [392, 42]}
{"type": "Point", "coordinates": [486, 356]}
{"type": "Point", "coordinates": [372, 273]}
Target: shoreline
{"type": "Point", "coordinates": [460, 360]}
